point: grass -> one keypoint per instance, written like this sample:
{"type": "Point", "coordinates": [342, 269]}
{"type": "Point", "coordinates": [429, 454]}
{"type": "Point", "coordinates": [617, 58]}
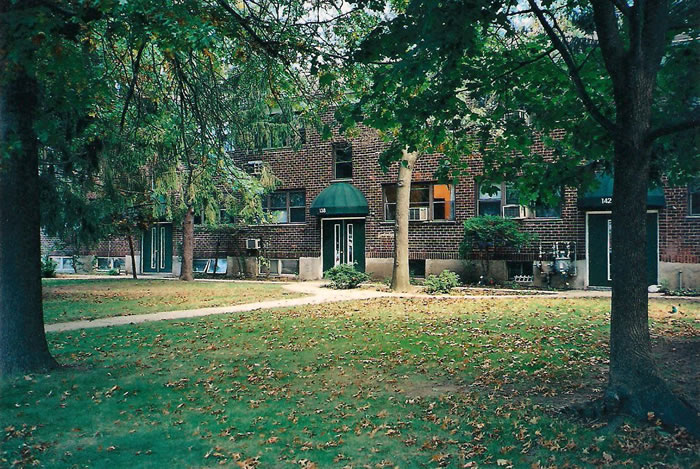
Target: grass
{"type": "Point", "coordinates": [381, 383]}
{"type": "Point", "coordinates": [71, 300]}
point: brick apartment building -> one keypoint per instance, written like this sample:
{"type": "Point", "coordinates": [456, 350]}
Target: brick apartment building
{"type": "Point", "coordinates": [335, 205]}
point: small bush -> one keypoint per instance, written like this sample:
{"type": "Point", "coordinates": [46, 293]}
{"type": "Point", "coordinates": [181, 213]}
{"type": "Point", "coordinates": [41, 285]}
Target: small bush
{"type": "Point", "coordinates": [443, 283]}
{"type": "Point", "coordinates": [113, 272]}
{"type": "Point", "coordinates": [48, 267]}
{"type": "Point", "coordinates": [345, 276]}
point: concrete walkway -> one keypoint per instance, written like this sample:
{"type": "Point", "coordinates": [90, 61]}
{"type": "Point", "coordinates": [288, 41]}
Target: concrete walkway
{"type": "Point", "coordinates": [316, 293]}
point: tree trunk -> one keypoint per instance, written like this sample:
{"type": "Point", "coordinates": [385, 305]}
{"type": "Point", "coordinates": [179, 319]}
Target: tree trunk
{"type": "Point", "coordinates": [216, 256]}
{"type": "Point", "coordinates": [187, 246]}
{"type": "Point", "coordinates": [133, 258]}
{"type": "Point", "coordinates": [400, 279]}
{"type": "Point", "coordinates": [23, 347]}
{"type": "Point", "coordinates": [635, 386]}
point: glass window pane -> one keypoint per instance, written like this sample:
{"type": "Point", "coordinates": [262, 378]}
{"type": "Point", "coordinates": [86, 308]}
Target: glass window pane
{"type": "Point", "coordinates": [512, 196]}
{"type": "Point", "coordinates": [297, 199]}
{"type": "Point", "coordinates": [200, 265]}
{"type": "Point", "coordinates": [695, 204]}
{"type": "Point", "coordinates": [103, 263]}
{"type": "Point", "coordinates": [220, 266]}
{"type": "Point", "coordinates": [297, 215]}
{"type": "Point", "coordinates": [278, 200]}
{"type": "Point", "coordinates": [490, 193]}
{"type": "Point", "coordinates": [67, 263]}
{"type": "Point", "coordinates": [290, 266]}
{"type": "Point", "coordinates": [117, 262]}
{"type": "Point", "coordinates": [544, 211]}
{"type": "Point", "coordinates": [390, 212]}
{"type": "Point", "coordinates": [442, 198]}
{"type": "Point", "coordinates": [343, 153]}
{"type": "Point", "coordinates": [343, 170]}
{"type": "Point", "coordinates": [390, 194]}
{"type": "Point", "coordinates": [279, 216]}
{"type": "Point", "coordinates": [487, 207]}
{"type": "Point", "coordinates": [420, 195]}
{"type": "Point", "coordinates": [274, 266]}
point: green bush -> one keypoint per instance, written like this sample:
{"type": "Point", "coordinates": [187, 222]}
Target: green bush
{"type": "Point", "coordinates": [443, 283]}
{"type": "Point", "coordinates": [48, 267]}
{"type": "Point", "coordinates": [345, 276]}
{"type": "Point", "coordinates": [113, 272]}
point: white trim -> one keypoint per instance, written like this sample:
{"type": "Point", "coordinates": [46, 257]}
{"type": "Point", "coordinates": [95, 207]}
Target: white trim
{"type": "Point", "coordinates": [609, 247]}
{"type": "Point", "coordinates": [337, 233]}
{"type": "Point", "coordinates": [162, 248]}
{"type": "Point", "coordinates": [154, 254]}
{"type": "Point", "coordinates": [349, 247]}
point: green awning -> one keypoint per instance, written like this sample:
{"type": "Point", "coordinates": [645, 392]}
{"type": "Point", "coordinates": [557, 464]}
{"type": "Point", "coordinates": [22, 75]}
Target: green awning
{"type": "Point", "coordinates": [599, 197]}
{"type": "Point", "coordinates": [339, 199]}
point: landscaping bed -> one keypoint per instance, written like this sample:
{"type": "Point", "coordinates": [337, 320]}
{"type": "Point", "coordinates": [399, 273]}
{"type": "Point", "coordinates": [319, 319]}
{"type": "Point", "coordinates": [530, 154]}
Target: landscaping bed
{"type": "Point", "coordinates": [389, 382]}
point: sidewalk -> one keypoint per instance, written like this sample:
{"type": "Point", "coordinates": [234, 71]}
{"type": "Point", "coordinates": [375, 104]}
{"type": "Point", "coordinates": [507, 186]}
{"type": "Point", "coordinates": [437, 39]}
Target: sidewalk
{"type": "Point", "coordinates": [316, 293]}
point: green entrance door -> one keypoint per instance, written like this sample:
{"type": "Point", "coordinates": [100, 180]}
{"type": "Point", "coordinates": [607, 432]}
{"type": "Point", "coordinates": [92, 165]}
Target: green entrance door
{"type": "Point", "coordinates": [157, 248]}
{"type": "Point", "coordinates": [600, 255]}
{"type": "Point", "coordinates": [343, 243]}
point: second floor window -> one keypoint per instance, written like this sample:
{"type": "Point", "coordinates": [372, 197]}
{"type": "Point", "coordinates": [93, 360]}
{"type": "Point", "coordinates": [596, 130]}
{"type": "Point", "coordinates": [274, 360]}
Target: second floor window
{"type": "Point", "coordinates": [286, 206]}
{"type": "Point", "coordinates": [694, 197]}
{"type": "Point", "coordinates": [342, 161]}
{"type": "Point", "coordinates": [427, 202]}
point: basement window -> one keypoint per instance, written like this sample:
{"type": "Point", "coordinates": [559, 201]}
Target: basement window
{"type": "Point", "coordinates": [108, 263]}
{"type": "Point", "coordinates": [203, 266]}
{"type": "Point", "coordinates": [416, 268]}
{"type": "Point", "coordinates": [279, 267]}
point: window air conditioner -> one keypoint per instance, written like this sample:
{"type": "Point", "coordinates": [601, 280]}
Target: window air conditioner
{"type": "Point", "coordinates": [418, 213]}
{"type": "Point", "coordinates": [514, 211]}
{"type": "Point", "coordinates": [252, 244]}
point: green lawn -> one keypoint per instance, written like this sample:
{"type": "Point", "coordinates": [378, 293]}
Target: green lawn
{"type": "Point", "coordinates": [70, 300]}
{"type": "Point", "coordinates": [382, 383]}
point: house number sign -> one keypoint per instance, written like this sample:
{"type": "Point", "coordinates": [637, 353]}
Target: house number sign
{"type": "Point", "coordinates": [606, 200]}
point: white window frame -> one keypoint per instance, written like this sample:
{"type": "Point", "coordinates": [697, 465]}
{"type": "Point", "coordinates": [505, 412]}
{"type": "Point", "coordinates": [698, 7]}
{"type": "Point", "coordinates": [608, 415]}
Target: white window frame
{"type": "Point", "coordinates": [110, 262]}
{"type": "Point", "coordinates": [428, 209]}
{"type": "Point", "coordinates": [279, 268]}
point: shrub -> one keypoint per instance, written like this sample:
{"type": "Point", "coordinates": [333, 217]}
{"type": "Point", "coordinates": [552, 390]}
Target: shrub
{"type": "Point", "coordinates": [345, 276]}
{"type": "Point", "coordinates": [48, 267]}
{"type": "Point", "coordinates": [113, 272]}
{"type": "Point", "coordinates": [443, 283]}
{"type": "Point", "coordinates": [487, 233]}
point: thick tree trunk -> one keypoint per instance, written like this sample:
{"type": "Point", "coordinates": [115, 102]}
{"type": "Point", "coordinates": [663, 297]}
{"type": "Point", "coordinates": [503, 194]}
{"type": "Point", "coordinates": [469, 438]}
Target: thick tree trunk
{"type": "Point", "coordinates": [635, 386]}
{"type": "Point", "coordinates": [400, 279]}
{"type": "Point", "coordinates": [187, 246]}
{"type": "Point", "coordinates": [23, 346]}
{"type": "Point", "coordinates": [133, 257]}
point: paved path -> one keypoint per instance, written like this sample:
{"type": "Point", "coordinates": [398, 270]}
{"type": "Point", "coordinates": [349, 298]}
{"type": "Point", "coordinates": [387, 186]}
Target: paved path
{"type": "Point", "coordinates": [315, 293]}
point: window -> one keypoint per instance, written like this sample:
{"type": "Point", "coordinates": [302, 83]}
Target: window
{"type": "Point", "coordinates": [286, 206]}
{"type": "Point", "coordinates": [518, 269]}
{"type": "Point", "coordinates": [277, 267]}
{"type": "Point", "coordinates": [427, 202]}
{"type": "Point", "coordinates": [109, 263]}
{"type": "Point", "coordinates": [342, 161]}
{"type": "Point", "coordinates": [416, 268]}
{"type": "Point", "coordinates": [207, 265]}
{"type": "Point", "coordinates": [63, 264]}
{"type": "Point", "coordinates": [504, 200]}
{"type": "Point", "coordinates": [492, 199]}
{"type": "Point", "coordinates": [694, 197]}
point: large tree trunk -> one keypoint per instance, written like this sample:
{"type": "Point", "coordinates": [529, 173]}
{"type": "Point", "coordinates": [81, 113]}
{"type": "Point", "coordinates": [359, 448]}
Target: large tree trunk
{"type": "Point", "coordinates": [635, 386]}
{"type": "Point", "coordinates": [187, 246]}
{"type": "Point", "coordinates": [400, 279]}
{"type": "Point", "coordinates": [23, 346]}
{"type": "Point", "coordinates": [133, 257]}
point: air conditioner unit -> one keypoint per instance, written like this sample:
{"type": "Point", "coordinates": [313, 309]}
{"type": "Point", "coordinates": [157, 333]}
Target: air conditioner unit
{"type": "Point", "coordinates": [252, 244]}
{"type": "Point", "coordinates": [418, 213]}
{"type": "Point", "coordinates": [514, 211]}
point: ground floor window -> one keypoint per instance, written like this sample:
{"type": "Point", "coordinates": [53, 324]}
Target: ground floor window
{"type": "Point", "coordinates": [416, 268]}
{"type": "Point", "coordinates": [63, 264]}
{"type": "Point", "coordinates": [517, 269]}
{"type": "Point", "coordinates": [279, 267]}
{"type": "Point", "coordinates": [427, 202]}
{"type": "Point", "coordinates": [109, 263]}
{"type": "Point", "coordinates": [207, 266]}
{"type": "Point", "coordinates": [694, 197]}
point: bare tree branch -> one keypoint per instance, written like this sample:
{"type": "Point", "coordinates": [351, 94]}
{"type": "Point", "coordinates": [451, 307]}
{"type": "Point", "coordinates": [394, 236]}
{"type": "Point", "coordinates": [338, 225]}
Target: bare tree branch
{"type": "Point", "coordinates": [558, 43]}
